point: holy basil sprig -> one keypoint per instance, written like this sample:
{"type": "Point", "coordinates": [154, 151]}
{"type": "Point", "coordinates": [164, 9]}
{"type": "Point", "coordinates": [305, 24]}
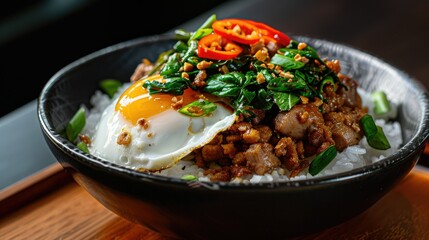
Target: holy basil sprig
{"type": "Point", "coordinates": [286, 62]}
{"type": "Point", "coordinates": [175, 86]}
{"type": "Point", "coordinates": [308, 52]}
{"type": "Point", "coordinates": [285, 101]}
{"type": "Point", "coordinates": [236, 86]}
{"type": "Point", "coordinates": [301, 73]}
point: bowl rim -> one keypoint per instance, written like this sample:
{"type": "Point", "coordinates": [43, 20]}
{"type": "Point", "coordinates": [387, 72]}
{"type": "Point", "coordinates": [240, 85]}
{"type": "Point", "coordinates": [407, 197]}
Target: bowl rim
{"type": "Point", "coordinates": [416, 142]}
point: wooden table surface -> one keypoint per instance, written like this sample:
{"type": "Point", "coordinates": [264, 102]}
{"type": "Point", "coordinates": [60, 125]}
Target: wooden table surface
{"type": "Point", "coordinates": [69, 212]}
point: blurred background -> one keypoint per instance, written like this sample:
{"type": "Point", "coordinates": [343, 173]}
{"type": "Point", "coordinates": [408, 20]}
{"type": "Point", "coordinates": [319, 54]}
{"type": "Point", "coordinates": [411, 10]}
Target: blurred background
{"type": "Point", "coordinates": [39, 37]}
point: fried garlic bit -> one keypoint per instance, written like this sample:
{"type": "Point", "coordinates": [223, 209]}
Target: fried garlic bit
{"type": "Point", "coordinates": [124, 138]}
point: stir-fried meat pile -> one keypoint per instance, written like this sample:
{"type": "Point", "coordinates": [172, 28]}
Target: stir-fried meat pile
{"type": "Point", "coordinates": [286, 139]}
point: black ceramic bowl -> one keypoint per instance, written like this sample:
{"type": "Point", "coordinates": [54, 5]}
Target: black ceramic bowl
{"type": "Point", "coordinates": [177, 208]}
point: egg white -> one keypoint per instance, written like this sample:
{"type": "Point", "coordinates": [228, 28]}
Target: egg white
{"type": "Point", "coordinates": [169, 137]}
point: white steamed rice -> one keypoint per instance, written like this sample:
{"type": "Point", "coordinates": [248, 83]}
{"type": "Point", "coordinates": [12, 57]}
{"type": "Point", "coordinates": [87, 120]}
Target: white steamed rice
{"type": "Point", "coordinates": [351, 158]}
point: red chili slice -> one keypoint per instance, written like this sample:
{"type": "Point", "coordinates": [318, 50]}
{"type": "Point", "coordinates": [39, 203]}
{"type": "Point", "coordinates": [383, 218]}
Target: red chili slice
{"type": "Point", "coordinates": [216, 47]}
{"type": "Point", "coordinates": [237, 30]}
{"type": "Point", "coordinates": [266, 30]}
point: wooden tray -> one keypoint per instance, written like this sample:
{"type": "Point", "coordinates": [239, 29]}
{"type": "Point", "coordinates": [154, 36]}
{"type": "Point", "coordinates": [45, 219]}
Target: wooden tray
{"type": "Point", "coordinates": [50, 205]}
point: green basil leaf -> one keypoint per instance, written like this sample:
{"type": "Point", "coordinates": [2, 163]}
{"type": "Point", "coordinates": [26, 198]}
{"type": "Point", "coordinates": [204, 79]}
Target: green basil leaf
{"type": "Point", "coordinates": [225, 85]}
{"type": "Point", "coordinates": [300, 78]}
{"type": "Point", "coordinates": [198, 108]}
{"type": "Point", "coordinates": [250, 79]}
{"type": "Point", "coordinates": [285, 101]}
{"type": "Point", "coordinates": [305, 53]}
{"type": "Point", "coordinates": [267, 75]}
{"type": "Point", "coordinates": [222, 89]}
{"type": "Point", "coordinates": [236, 78]}
{"type": "Point", "coordinates": [285, 85]}
{"type": "Point", "coordinates": [286, 62]}
{"type": "Point", "coordinates": [175, 86]}
{"type": "Point", "coordinates": [244, 98]}
{"type": "Point", "coordinates": [238, 63]}
{"type": "Point", "coordinates": [322, 160]}
{"type": "Point", "coordinates": [263, 100]}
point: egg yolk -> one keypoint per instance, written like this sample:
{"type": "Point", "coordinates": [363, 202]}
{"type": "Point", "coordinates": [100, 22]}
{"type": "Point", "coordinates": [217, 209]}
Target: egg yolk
{"type": "Point", "coordinates": [136, 102]}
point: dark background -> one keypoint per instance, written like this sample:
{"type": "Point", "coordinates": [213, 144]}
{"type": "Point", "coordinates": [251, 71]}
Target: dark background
{"type": "Point", "coordinates": [33, 46]}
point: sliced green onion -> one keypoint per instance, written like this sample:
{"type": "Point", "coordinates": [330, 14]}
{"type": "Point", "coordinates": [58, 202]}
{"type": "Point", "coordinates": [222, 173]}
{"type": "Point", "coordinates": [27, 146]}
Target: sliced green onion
{"type": "Point", "coordinates": [189, 177]}
{"type": "Point", "coordinates": [381, 104]}
{"type": "Point", "coordinates": [180, 46]}
{"type": "Point", "coordinates": [182, 35]}
{"type": "Point", "coordinates": [82, 146]}
{"type": "Point", "coordinates": [76, 124]}
{"type": "Point", "coordinates": [203, 30]}
{"type": "Point", "coordinates": [208, 23]}
{"type": "Point", "coordinates": [322, 160]}
{"type": "Point", "coordinates": [374, 134]}
{"type": "Point", "coordinates": [368, 126]}
{"type": "Point", "coordinates": [110, 86]}
{"type": "Point", "coordinates": [380, 141]}
{"type": "Point", "coordinates": [200, 33]}
{"type": "Point", "coordinates": [198, 108]}
{"type": "Point", "coordinates": [328, 80]}
{"type": "Point", "coordinates": [162, 58]}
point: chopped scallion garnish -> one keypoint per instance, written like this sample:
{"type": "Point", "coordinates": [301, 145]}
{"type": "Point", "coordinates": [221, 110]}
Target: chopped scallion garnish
{"type": "Point", "coordinates": [374, 134]}
{"type": "Point", "coordinates": [322, 160]}
{"type": "Point", "coordinates": [110, 86]}
{"type": "Point", "coordinates": [82, 146]}
{"type": "Point", "coordinates": [381, 104]}
{"type": "Point", "coordinates": [203, 30]}
{"type": "Point", "coordinates": [198, 108]}
{"type": "Point", "coordinates": [189, 177]}
{"type": "Point", "coordinates": [75, 125]}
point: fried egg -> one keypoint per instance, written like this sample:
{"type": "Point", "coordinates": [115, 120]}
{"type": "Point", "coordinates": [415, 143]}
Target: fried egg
{"type": "Point", "coordinates": [146, 132]}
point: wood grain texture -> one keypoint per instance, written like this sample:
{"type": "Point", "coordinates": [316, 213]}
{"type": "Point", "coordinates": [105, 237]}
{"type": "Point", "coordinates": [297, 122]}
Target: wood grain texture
{"type": "Point", "coordinates": [71, 213]}
{"type": "Point", "coordinates": [30, 188]}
